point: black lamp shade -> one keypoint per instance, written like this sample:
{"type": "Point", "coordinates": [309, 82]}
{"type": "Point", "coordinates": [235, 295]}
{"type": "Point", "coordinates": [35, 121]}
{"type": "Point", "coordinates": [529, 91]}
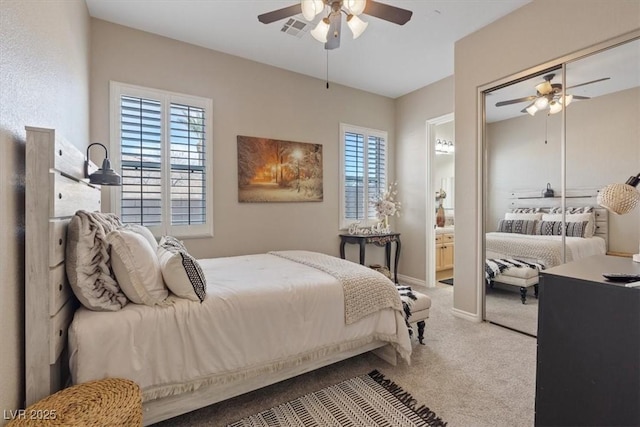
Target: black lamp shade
{"type": "Point", "coordinates": [105, 175]}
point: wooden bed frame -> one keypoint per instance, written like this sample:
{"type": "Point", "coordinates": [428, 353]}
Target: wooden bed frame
{"type": "Point", "coordinates": [55, 189]}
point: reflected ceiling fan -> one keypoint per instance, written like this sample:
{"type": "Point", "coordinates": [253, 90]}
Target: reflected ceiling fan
{"type": "Point", "coordinates": [328, 29]}
{"type": "Point", "coordinates": [549, 95]}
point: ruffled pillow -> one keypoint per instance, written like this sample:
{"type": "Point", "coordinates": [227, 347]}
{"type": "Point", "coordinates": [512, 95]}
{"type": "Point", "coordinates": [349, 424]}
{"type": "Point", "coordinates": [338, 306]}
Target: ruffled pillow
{"type": "Point", "coordinates": [87, 261]}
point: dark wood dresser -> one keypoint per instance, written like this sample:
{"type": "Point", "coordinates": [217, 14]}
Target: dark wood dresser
{"type": "Point", "coordinates": [588, 362]}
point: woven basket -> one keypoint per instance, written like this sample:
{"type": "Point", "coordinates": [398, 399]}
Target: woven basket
{"type": "Point", "coordinates": [619, 198]}
{"type": "Point", "coordinates": [107, 402]}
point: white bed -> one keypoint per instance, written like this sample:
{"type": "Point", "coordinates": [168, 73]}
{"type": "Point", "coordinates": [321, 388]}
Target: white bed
{"type": "Point", "coordinates": [257, 326]}
{"type": "Point", "coordinates": [544, 250]}
{"type": "Point", "coordinates": [262, 313]}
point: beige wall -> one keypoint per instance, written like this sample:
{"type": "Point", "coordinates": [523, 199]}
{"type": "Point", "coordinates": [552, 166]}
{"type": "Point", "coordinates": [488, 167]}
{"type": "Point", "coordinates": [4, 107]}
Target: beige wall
{"type": "Point", "coordinates": [248, 99]}
{"type": "Point", "coordinates": [44, 81]}
{"type": "Point", "coordinates": [534, 34]}
{"type": "Point", "coordinates": [412, 112]}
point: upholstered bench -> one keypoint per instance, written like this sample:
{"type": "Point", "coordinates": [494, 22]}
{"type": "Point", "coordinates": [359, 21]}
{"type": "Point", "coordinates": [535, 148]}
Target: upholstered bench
{"type": "Point", "coordinates": [106, 402]}
{"type": "Point", "coordinates": [522, 277]}
{"type": "Point", "coordinates": [419, 312]}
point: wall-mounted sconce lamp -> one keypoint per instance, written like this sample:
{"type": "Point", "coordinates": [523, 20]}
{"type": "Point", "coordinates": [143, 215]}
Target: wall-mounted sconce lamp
{"type": "Point", "coordinates": [105, 175]}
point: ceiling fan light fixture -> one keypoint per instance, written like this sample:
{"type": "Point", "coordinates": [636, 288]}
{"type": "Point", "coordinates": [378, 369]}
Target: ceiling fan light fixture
{"type": "Point", "coordinates": [356, 25]}
{"type": "Point", "coordinates": [355, 7]}
{"type": "Point", "coordinates": [541, 103]}
{"type": "Point", "coordinates": [544, 88]}
{"type": "Point", "coordinates": [321, 31]}
{"type": "Point", "coordinates": [555, 107]}
{"type": "Point", "coordinates": [532, 109]}
{"type": "Point", "coordinates": [566, 100]}
{"type": "Point", "coordinates": [310, 8]}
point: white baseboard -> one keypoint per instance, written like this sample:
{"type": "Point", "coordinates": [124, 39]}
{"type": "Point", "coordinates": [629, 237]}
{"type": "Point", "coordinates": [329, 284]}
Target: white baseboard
{"type": "Point", "coordinates": [475, 318]}
{"type": "Point", "coordinates": [412, 281]}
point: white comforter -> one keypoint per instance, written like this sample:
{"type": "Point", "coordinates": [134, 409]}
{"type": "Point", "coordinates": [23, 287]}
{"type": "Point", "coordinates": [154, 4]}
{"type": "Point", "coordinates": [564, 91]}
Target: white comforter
{"type": "Point", "coordinates": [262, 313]}
{"type": "Point", "coordinates": [546, 250]}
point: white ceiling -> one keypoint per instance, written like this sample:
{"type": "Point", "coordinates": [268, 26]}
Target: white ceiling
{"type": "Point", "coordinates": [388, 59]}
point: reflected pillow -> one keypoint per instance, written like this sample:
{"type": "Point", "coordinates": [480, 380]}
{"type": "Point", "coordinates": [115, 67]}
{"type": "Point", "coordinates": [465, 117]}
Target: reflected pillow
{"type": "Point", "coordinates": [589, 217]}
{"type": "Point", "coordinates": [554, 228]}
{"type": "Point", "coordinates": [518, 226]}
{"type": "Point", "coordinates": [518, 215]}
{"type": "Point", "coordinates": [525, 210]}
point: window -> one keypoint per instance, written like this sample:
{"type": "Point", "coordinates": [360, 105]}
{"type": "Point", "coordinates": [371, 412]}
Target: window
{"type": "Point", "coordinates": [364, 173]}
{"type": "Point", "coordinates": [161, 145]}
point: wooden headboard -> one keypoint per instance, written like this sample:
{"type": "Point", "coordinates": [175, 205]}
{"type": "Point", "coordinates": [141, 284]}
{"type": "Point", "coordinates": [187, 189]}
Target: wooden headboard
{"type": "Point", "coordinates": [574, 198]}
{"type": "Point", "coordinates": [55, 190]}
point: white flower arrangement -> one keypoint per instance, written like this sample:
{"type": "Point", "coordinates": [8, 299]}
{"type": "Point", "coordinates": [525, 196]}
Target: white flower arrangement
{"type": "Point", "coordinates": [386, 204]}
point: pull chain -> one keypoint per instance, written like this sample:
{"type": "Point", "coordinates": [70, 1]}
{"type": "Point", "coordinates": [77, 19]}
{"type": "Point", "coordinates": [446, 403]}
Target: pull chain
{"type": "Point", "coordinates": [327, 50]}
{"type": "Point", "coordinates": [546, 124]}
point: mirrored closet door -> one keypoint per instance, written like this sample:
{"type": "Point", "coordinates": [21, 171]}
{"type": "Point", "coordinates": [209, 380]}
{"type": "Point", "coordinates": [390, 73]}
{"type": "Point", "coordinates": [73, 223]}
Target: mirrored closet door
{"type": "Point", "coordinates": [552, 140]}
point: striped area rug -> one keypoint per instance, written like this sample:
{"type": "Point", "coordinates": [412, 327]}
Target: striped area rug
{"type": "Point", "coordinates": [365, 401]}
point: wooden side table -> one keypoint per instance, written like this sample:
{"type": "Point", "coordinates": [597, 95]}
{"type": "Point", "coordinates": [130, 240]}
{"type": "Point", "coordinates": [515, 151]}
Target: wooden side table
{"type": "Point", "coordinates": [379, 240]}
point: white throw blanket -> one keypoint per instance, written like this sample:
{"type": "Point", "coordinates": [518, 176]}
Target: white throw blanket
{"type": "Point", "coordinates": [546, 250]}
{"type": "Point", "coordinates": [365, 290]}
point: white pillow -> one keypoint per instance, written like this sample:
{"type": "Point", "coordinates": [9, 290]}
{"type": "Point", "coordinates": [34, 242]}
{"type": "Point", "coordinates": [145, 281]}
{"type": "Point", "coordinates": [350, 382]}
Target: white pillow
{"type": "Point", "coordinates": [181, 272]}
{"type": "Point", "coordinates": [525, 216]}
{"type": "Point", "coordinates": [144, 232]}
{"type": "Point", "coordinates": [136, 267]}
{"type": "Point", "coordinates": [590, 217]}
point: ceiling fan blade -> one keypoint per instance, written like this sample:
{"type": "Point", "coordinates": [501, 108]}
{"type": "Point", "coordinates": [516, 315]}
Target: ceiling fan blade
{"type": "Point", "coordinates": [388, 13]}
{"type": "Point", "coordinates": [333, 36]}
{"type": "Point", "coordinates": [276, 15]}
{"type": "Point", "coordinates": [515, 101]}
{"type": "Point", "coordinates": [581, 97]}
{"type": "Point", "coordinates": [588, 83]}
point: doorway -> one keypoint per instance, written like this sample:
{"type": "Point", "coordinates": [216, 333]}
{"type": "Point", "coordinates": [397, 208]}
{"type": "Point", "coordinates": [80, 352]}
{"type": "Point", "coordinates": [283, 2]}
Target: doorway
{"type": "Point", "coordinates": [440, 178]}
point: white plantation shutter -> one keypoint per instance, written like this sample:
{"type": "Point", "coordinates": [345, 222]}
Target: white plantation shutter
{"type": "Point", "coordinates": [364, 172]}
{"type": "Point", "coordinates": [141, 160]}
{"type": "Point", "coordinates": [354, 184]}
{"type": "Point", "coordinates": [188, 172]}
{"type": "Point", "coordinates": [377, 169]}
{"type": "Point", "coordinates": [164, 144]}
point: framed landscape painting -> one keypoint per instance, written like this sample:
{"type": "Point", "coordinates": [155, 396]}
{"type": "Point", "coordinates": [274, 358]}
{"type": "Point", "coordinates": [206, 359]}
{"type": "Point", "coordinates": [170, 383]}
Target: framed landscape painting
{"type": "Point", "coordinates": [271, 170]}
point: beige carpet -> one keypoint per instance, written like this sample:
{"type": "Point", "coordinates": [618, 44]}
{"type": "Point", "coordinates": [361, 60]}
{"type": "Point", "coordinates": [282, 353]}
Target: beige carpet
{"type": "Point", "coordinates": [470, 374]}
{"type": "Point", "coordinates": [504, 306]}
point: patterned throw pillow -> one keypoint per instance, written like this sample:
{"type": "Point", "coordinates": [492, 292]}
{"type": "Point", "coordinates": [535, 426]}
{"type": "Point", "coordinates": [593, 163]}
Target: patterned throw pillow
{"type": "Point", "coordinates": [519, 226]}
{"type": "Point", "coordinates": [526, 210]}
{"type": "Point", "coordinates": [181, 272]}
{"type": "Point", "coordinates": [575, 217]}
{"type": "Point", "coordinates": [582, 209]}
{"type": "Point", "coordinates": [554, 228]}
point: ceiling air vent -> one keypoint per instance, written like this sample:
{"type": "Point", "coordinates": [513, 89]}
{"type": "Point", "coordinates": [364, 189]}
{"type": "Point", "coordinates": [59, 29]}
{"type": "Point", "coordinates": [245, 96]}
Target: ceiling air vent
{"type": "Point", "coordinates": [295, 27]}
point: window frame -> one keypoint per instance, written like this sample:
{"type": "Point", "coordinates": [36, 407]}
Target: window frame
{"type": "Point", "coordinates": [166, 98]}
{"type": "Point", "coordinates": [366, 132]}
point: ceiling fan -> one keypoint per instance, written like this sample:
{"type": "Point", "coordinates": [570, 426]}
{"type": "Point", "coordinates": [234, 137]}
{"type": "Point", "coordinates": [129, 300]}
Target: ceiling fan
{"type": "Point", "coordinates": [328, 29]}
{"type": "Point", "coordinates": [548, 95]}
